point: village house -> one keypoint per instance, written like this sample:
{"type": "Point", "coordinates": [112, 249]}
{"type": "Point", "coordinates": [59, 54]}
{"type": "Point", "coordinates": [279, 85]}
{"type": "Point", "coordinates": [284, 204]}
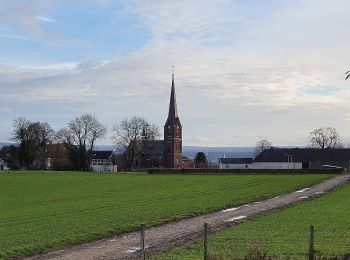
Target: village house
{"type": "Point", "coordinates": [104, 161]}
{"type": "Point", "coordinates": [292, 158]}
{"type": "Point", "coordinates": [4, 156]}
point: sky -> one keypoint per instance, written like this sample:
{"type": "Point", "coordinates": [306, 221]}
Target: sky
{"type": "Point", "coordinates": [244, 70]}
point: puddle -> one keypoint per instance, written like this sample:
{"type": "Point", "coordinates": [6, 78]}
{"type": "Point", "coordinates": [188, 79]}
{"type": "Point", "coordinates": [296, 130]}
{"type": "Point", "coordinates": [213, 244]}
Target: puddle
{"type": "Point", "coordinates": [135, 249]}
{"type": "Point", "coordinates": [231, 209]}
{"type": "Point", "coordinates": [303, 190]}
{"type": "Point", "coordinates": [235, 218]}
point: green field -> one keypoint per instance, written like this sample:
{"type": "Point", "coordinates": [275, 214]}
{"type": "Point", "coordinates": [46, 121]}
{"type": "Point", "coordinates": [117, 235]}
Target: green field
{"type": "Point", "coordinates": [284, 233]}
{"type": "Point", "coordinates": [45, 211]}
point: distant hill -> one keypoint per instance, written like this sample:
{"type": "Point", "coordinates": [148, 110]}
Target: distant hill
{"type": "Point", "coordinates": [213, 153]}
{"type": "Point", "coordinates": [2, 144]}
{"type": "Point", "coordinates": [107, 147]}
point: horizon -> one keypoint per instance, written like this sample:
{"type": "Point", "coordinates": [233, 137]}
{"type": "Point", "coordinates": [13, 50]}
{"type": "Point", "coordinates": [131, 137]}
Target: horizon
{"type": "Point", "coordinates": [2, 143]}
{"type": "Point", "coordinates": [244, 71]}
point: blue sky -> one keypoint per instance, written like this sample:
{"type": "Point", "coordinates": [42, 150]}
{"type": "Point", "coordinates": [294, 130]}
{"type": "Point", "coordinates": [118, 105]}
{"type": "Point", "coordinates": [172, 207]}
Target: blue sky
{"type": "Point", "coordinates": [245, 70]}
{"type": "Point", "coordinates": [71, 32]}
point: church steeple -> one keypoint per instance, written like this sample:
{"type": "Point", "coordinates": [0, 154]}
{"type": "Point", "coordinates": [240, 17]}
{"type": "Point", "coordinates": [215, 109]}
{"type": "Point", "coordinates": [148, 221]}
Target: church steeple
{"type": "Point", "coordinates": [172, 115]}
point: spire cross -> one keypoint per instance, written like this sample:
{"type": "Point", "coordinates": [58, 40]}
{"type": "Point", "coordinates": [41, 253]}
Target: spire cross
{"type": "Point", "coordinates": [173, 68]}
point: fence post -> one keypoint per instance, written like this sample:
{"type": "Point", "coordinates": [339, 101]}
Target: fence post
{"type": "Point", "coordinates": [311, 243]}
{"type": "Point", "coordinates": [205, 241]}
{"type": "Point", "coordinates": [142, 233]}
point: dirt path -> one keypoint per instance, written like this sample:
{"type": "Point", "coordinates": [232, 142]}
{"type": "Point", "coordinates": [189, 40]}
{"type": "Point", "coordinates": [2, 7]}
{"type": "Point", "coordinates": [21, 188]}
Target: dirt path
{"type": "Point", "coordinates": [173, 234]}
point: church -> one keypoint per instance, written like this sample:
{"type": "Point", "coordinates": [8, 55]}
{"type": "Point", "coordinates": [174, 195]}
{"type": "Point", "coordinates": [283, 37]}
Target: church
{"type": "Point", "coordinates": [166, 153]}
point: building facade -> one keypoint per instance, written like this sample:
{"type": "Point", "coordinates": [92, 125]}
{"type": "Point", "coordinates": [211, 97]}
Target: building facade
{"type": "Point", "coordinates": [235, 163]}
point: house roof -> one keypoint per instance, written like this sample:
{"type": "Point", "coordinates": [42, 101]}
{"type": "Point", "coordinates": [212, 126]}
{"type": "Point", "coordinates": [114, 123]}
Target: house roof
{"type": "Point", "coordinates": [303, 155]}
{"type": "Point", "coordinates": [5, 152]}
{"type": "Point", "coordinates": [101, 154]}
{"type": "Point", "coordinates": [236, 160]}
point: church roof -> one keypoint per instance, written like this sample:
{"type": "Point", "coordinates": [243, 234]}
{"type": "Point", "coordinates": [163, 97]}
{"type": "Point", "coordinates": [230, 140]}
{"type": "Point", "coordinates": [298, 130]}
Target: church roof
{"type": "Point", "coordinates": [150, 146]}
{"type": "Point", "coordinates": [172, 115]}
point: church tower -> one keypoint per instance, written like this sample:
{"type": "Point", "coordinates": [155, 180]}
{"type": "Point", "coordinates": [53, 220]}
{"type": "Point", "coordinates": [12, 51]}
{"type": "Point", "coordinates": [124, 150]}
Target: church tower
{"type": "Point", "coordinates": [172, 155]}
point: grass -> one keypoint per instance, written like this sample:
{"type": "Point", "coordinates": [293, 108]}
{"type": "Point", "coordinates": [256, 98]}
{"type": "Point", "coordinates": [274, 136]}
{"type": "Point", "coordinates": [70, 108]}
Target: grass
{"type": "Point", "coordinates": [45, 211]}
{"type": "Point", "coordinates": [283, 234]}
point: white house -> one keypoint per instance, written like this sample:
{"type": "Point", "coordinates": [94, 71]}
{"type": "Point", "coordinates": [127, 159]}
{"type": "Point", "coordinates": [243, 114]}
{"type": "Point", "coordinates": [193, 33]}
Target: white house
{"type": "Point", "coordinates": [291, 158]}
{"type": "Point", "coordinates": [104, 161]}
{"type": "Point", "coordinates": [4, 154]}
{"type": "Point", "coordinates": [3, 165]}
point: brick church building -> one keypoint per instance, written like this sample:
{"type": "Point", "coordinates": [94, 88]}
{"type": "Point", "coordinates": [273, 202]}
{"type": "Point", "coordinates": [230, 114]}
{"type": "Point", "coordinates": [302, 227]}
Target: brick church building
{"type": "Point", "coordinates": [165, 153]}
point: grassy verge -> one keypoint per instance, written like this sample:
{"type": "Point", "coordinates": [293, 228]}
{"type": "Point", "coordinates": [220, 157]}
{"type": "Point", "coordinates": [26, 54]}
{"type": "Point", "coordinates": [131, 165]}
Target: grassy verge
{"type": "Point", "coordinates": [46, 211]}
{"type": "Point", "coordinates": [283, 234]}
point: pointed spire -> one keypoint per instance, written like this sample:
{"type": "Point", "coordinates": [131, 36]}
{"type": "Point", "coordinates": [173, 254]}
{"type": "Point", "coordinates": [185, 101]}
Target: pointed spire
{"type": "Point", "coordinates": [172, 115]}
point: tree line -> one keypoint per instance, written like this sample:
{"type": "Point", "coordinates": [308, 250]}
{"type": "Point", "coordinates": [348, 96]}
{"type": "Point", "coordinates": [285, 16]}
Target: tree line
{"type": "Point", "coordinates": [321, 138]}
{"type": "Point", "coordinates": [71, 147]}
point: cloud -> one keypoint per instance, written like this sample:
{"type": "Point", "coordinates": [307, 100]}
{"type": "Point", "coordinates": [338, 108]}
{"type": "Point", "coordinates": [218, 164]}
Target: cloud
{"type": "Point", "coordinates": [11, 36]}
{"type": "Point", "coordinates": [27, 21]}
{"type": "Point", "coordinates": [45, 19]}
{"type": "Point", "coordinates": [91, 65]}
{"type": "Point", "coordinates": [187, 20]}
{"type": "Point", "coordinates": [24, 15]}
{"type": "Point", "coordinates": [246, 71]}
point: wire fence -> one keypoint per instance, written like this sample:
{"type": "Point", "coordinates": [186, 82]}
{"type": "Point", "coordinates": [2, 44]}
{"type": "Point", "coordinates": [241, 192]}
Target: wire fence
{"type": "Point", "coordinates": [311, 247]}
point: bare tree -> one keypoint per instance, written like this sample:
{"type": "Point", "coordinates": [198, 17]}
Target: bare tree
{"type": "Point", "coordinates": [80, 136]}
{"type": "Point", "coordinates": [325, 138]}
{"type": "Point", "coordinates": [262, 145]}
{"type": "Point", "coordinates": [128, 133]}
